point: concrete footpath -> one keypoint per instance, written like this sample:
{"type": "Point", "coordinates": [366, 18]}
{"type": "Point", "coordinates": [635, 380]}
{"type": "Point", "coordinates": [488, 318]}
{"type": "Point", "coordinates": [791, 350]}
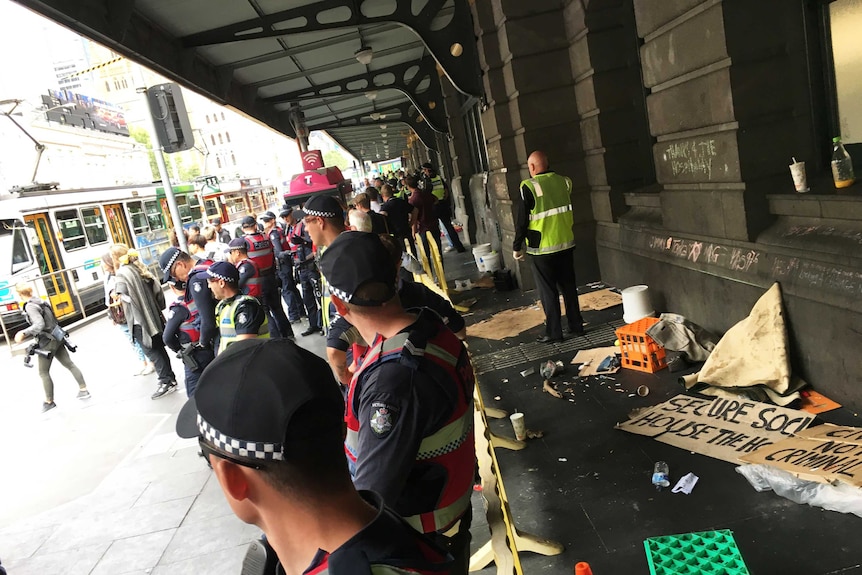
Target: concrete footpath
{"type": "Point", "coordinates": [104, 486]}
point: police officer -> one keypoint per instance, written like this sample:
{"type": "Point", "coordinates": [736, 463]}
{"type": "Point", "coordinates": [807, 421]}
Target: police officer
{"type": "Point", "coordinates": [287, 269]}
{"type": "Point", "coordinates": [275, 446]}
{"type": "Point", "coordinates": [323, 218]}
{"type": "Point", "coordinates": [443, 205]}
{"type": "Point", "coordinates": [239, 316]}
{"type": "Point", "coordinates": [283, 259]}
{"type": "Point", "coordinates": [260, 251]}
{"type": "Point", "coordinates": [250, 280]}
{"type": "Point", "coordinates": [182, 335]}
{"type": "Point", "coordinates": [409, 410]}
{"type": "Point", "coordinates": [306, 270]}
{"type": "Point", "coordinates": [177, 264]}
{"type": "Point", "coordinates": [543, 218]}
{"type": "Point", "coordinates": [223, 234]}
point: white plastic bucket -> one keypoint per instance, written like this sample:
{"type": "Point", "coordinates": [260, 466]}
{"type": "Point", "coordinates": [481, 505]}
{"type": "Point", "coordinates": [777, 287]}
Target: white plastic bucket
{"type": "Point", "coordinates": [478, 252]}
{"type": "Point", "coordinates": [636, 303]}
{"type": "Point", "coordinates": [491, 262]}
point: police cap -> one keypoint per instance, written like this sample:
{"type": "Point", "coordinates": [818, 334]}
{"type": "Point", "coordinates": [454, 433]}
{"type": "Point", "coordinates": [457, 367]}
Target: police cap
{"type": "Point", "coordinates": [354, 259]}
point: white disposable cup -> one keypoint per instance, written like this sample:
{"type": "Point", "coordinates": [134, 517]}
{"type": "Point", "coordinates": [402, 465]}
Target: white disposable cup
{"type": "Point", "coordinates": [519, 426]}
{"type": "Point", "coordinates": [797, 170]}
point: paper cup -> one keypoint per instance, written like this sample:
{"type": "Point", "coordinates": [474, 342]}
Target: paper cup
{"type": "Point", "coordinates": [519, 426]}
{"type": "Point", "coordinates": [800, 182]}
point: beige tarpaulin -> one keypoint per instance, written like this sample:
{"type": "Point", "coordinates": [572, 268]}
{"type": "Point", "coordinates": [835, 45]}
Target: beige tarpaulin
{"type": "Point", "coordinates": [508, 323]}
{"type": "Point", "coordinates": [752, 357]}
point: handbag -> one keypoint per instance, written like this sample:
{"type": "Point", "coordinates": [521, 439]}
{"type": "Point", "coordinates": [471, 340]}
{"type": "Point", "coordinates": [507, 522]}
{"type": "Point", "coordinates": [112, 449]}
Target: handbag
{"type": "Point", "coordinates": [117, 314]}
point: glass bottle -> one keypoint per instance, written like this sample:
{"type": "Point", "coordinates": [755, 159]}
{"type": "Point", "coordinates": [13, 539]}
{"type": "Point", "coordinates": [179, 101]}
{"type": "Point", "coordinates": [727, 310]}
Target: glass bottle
{"type": "Point", "coordinates": [660, 475]}
{"type": "Point", "coordinates": [842, 165]}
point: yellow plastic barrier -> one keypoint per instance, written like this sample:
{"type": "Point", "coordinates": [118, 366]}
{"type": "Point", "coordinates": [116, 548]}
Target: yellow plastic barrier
{"type": "Point", "coordinates": [506, 541]}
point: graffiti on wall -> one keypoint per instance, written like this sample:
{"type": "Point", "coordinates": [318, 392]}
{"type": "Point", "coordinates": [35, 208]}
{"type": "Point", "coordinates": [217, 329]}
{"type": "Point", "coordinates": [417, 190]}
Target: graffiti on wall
{"type": "Point", "coordinates": [731, 258]}
{"type": "Point", "coordinates": [690, 157]}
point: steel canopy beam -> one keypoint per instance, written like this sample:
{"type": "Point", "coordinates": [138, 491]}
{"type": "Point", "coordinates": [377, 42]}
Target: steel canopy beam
{"type": "Point", "coordinates": [428, 102]}
{"type": "Point", "coordinates": [453, 46]}
{"type": "Point", "coordinates": [408, 115]}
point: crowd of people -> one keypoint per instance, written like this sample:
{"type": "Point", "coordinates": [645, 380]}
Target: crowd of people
{"type": "Point", "coordinates": [361, 463]}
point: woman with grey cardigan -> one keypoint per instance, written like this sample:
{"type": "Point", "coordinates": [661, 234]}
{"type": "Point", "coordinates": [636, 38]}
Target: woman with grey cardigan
{"type": "Point", "coordinates": [143, 302]}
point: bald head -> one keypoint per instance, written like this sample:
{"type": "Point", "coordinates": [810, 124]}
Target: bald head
{"type": "Point", "coordinates": [537, 162]}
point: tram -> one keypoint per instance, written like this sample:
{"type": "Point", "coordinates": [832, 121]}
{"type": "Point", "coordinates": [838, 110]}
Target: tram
{"type": "Point", "coordinates": [55, 238]}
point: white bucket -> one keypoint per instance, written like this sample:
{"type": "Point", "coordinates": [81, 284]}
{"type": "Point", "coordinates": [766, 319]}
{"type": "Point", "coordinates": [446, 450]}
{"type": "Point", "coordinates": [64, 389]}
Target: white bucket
{"type": "Point", "coordinates": [636, 304]}
{"type": "Point", "coordinates": [491, 262]}
{"type": "Point", "coordinates": [478, 252]}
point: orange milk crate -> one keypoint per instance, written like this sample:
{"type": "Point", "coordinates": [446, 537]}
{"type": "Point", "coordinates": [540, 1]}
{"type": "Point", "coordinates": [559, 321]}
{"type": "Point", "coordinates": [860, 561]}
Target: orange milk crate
{"type": "Point", "coordinates": [638, 350]}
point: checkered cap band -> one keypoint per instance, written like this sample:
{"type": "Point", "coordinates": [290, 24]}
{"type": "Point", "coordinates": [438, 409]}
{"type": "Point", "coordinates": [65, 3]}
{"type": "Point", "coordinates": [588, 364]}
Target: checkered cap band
{"type": "Point", "coordinates": [171, 261]}
{"type": "Point", "coordinates": [240, 447]}
{"type": "Point", "coordinates": [341, 294]}
{"type": "Point", "coordinates": [319, 213]}
{"type": "Point", "coordinates": [218, 276]}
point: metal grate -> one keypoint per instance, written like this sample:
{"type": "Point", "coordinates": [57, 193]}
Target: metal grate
{"type": "Point", "coordinates": [533, 351]}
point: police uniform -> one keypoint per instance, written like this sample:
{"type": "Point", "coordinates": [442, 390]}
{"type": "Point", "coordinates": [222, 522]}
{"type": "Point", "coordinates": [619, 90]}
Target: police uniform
{"type": "Point", "coordinates": [309, 276]}
{"type": "Point", "coordinates": [409, 410]}
{"type": "Point", "coordinates": [544, 221]}
{"type": "Point", "coordinates": [250, 280]}
{"type": "Point", "coordinates": [182, 335]}
{"type": "Point", "coordinates": [284, 267]}
{"type": "Point", "coordinates": [261, 253]}
{"type": "Point", "coordinates": [238, 315]}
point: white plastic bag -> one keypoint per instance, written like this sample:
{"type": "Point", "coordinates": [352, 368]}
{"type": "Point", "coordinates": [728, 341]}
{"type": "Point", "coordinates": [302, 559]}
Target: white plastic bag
{"type": "Point", "coordinates": [842, 497]}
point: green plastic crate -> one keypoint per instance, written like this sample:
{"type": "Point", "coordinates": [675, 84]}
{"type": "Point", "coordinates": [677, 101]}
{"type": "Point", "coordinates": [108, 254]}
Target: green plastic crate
{"type": "Point", "coordinates": [704, 553]}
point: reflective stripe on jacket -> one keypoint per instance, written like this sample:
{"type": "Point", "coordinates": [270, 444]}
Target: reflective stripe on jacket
{"type": "Point", "coordinates": [551, 215]}
{"type": "Point", "coordinates": [451, 446]}
{"type": "Point", "coordinates": [226, 317]}
{"type": "Point", "coordinates": [437, 188]}
{"type": "Point", "coordinates": [260, 252]}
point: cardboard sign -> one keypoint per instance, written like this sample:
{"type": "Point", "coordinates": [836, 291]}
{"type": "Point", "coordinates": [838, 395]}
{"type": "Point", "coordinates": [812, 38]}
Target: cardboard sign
{"type": "Point", "coordinates": [826, 453]}
{"type": "Point", "coordinates": [719, 427]}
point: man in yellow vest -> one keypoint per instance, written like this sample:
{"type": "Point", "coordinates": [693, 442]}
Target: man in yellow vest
{"type": "Point", "coordinates": [238, 316]}
{"type": "Point", "coordinates": [438, 187]}
{"type": "Point", "coordinates": [543, 219]}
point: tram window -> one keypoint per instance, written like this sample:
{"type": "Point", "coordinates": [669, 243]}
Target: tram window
{"type": "Point", "coordinates": [13, 235]}
{"type": "Point", "coordinates": [71, 229]}
{"type": "Point", "coordinates": [94, 226]}
{"type": "Point", "coordinates": [183, 207]}
{"type": "Point", "coordinates": [195, 207]}
{"type": "Point", "coordinates": [211, 208]}
{"type": "Point", "coordinates": [139, 218]}
{"type": "Point", "coordinates": [154, 215]}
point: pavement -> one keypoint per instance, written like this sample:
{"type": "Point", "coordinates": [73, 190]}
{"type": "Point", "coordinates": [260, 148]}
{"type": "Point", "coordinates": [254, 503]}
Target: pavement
{"type": "Point", "coordinates": [105, 487]}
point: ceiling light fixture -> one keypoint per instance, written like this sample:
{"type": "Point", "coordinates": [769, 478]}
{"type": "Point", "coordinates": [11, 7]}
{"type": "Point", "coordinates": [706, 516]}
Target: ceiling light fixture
{"type": "Point", "coordinates": [374, 116]}
{"type": "Point", "coordinates": [364, 55]}
{"type": "Point", "coordinates": [371, 95]}
{"type": "Point", "coordinates": [382, 126]}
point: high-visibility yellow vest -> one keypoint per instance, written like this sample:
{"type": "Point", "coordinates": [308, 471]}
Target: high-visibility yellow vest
{"type": "Point", "coordinates": [226, 317]}
{"type": "Point", "coordinates": [551, 215]}
{"type": "Point", "coordinates": [437, 189]}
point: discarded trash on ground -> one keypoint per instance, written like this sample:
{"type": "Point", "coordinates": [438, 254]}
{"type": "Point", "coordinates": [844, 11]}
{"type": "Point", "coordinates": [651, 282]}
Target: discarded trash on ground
{"type": "Point", "coordinates": [598, 300]}
{"type": "Point", "coordinates": [507, 323]}
{"type": "Point", "coordinates": [685, 484]}
{"type": "Point", "coordinates": [549, 387]}
{"type": "Point", "coordinates": [550, 368]}
{"type": "Point", "coordinates": [643, 390]}
{"type": "Point", "coordinates": [814, 402]}
{"type": "Point", "coordinates": [686, 552]}
{"type": "Point", "coordinates": [535, 434]}
{"type": "Point", "coordinates": [593, 358]}
{"type": "Point", "coordinates": [528, 371]}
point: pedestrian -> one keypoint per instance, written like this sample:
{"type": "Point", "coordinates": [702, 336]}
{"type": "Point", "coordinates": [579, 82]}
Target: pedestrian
{"type": "Point", "coordinates": [143, 302]}
{"type": "Point", "coordinates": [362, 201]}
{"type": "Point", "coordinates": [424, 222]}
{"type": "Point", "coordinates": [198, 248]}
{"type": "Point", "coordinates": [260, 251]}
{"type": "Point", "coordinates": [399, 215]}
{"type": "Point", "coordinates": [223, 234]}
{"type": "Point", "coordinates": [49, 342]}
{"type": "Point", "coordinates": [409, 411]}
{"type": "Point", "coordinates": [194, 231]}
{"type": "Point", "coordinates": [214, 248]}
{"type": "Point", "coordinates": [116, 315]}
{"type": "Point", "coordinates": [182, 335]}
{"type": "Point", "coordinates": [544, 220]}
{"type": "Point", "coordinates": [177, 264]}
{"type": "Point", "coordinates": [287, 270]}
{"type": "Point", "coordinates": [442, 205]}
{"type": "Point", "coordinates": [239, 316]}
{"type": "Point", "coordinates": [275, 446]}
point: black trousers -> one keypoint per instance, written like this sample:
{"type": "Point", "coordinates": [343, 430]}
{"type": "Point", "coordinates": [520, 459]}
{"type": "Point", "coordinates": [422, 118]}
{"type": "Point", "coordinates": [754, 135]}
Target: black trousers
{"type": "Point", "coordinates": [290, 294]}
{"type": "Point", "coordinates": [157, 355]}
{"type": "Point", "coordinates": [443, 213]}
{"type": "Point", "coordinates": [204, 357]}
{"type": "Point", "coordinates": [555, 275]}
{"type": "Point", "coordinates": [458, 545]}
{"type": "Point", "coordinates": [279, 325]}
{"type": "Point", "coordinates": [309, 279]}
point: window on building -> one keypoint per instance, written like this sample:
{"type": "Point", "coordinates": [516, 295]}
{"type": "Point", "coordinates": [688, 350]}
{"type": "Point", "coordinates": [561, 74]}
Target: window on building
{"type": "Point", "coordinates": [220, 139]}
{"type": "Point", "coordinates": [218, 161]}
{"type": "Point", "coordinates": [208, 118]}
{"type": "Point", "coordinates": [94, 226]}
{"type": "Point", "coordinates": [212, 137]}
{"type": "Point", "coordinates": [71, 230]}
{"type": "Point", "coordinates": [233, 159]}
{"type": "Point", "coordinates": [125, 84]}
{"type": "Point", "coordinates": [222, 115]}
{"type": "Point", "coordinates": [107, 86]}
{"type": "Point", "coordinates": [227, 137]}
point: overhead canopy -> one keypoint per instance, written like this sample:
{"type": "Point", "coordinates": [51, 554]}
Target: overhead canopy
{"type": "Point", "coordinates": [258, 57]}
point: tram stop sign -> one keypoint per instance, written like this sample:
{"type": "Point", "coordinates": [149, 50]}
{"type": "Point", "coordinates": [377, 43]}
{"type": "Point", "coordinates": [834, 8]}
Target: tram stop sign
{"type": "Point", "coordinates": [173, 129]}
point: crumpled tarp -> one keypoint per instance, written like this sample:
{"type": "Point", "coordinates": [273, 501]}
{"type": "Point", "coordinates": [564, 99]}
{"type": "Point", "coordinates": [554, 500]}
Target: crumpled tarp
{"type": "Point", "coordinates": [752, 358]}
{"type": "Point", "coordinates": [675, 333]}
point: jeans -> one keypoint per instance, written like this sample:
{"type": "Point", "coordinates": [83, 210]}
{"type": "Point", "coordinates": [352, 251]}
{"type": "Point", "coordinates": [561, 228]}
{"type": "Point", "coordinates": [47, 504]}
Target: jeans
{"type": "Point", "coordinates": [157, 355]}
{"type": "Point", "coordinates": [138, 350]}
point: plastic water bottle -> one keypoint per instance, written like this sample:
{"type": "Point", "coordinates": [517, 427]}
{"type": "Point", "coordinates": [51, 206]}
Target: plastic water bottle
{"type": "Point", "coordinates": [660, 475]}
{"type": "Point", "coordinates": [842, 165]}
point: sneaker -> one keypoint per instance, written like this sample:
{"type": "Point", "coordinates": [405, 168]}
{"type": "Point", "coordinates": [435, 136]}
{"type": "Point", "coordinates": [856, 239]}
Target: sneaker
{"type": "Point", "coordinates": [46, 406]}
{"type": "Point", "coordinates": [149, 369]}
{"type": "Point", "coordinates": [164, 389]}
{"type": "Point", "coordinates": [83, 394]}
{"type": "Point", "coordinates": [310, 331]}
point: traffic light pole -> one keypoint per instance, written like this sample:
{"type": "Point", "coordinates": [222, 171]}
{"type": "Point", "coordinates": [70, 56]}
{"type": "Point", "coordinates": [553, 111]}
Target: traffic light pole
{"type": "Point", "coordinates": [166, 179]}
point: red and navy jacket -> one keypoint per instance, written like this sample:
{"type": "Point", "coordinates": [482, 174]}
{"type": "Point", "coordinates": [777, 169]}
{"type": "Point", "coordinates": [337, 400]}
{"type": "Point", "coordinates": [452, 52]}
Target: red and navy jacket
{"type": "Point", "coordinates": [199, 295]}
{"type": "Point", "coordinates": [183, 325]}
{"type": "Point", "coordinates": [250, 278]}
{"type": "Point", "coordinates": [414, 389]}
{"type": "Point", "coordinates": [260, 252]}
{"type": "Point", "coordinates": [281, 249]}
